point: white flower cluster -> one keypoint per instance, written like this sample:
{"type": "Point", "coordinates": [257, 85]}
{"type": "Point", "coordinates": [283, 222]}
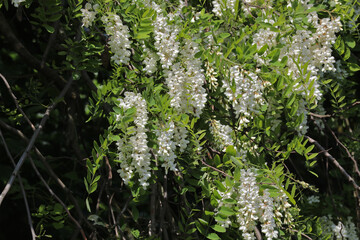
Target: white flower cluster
{"type": "Point", "coordinates": [313, 199]}
{"type": "Point", "coordinates": [16, 3]}
{"type": "Point", "coordinates": [222, 134]}
{"type": "Point", "coordinates": [185, 80]}
{"type": "Point", "coordinates": [211, 75]}
{"type": "Point", "coordinates": [220, 5]}
{"type": "Point", "coordinates": [265, 37]}
{"type": "Point", "coordinates": [88, 14]}
{"type": "Point", "coordinates": [165, 38]}
{"type": "Point", "coordinates": [169, 137]}
{"type": "Point", "coordinates": [167, 146]}
{"type": "Point", "coordinates": [119, 38]}
{"type": "Point", "coordinates": [180, 137]}
{"type": "Point", "coordinates": [150, 60]}
{"type": "Point", "coordinates": [313, 49]}
{"type": "Point", "coordinates": [252, 207]}
{"type": "Point", "coordinates": [133, 150]}
{"type": "Point", "coordinates": [339, 231]}
{"type": "Point", "coordinates": [304, 48]}
{"type": "Point", "coordinates": [246, 94]}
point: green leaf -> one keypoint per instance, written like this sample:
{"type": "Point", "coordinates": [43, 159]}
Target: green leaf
{"type": "Point", "coordinates": [263, 49]}
{"type": "Point", "coordinates": [226, 211]}
{"type": "Point", "coordinates": [49, 28]}
{"type": "Point", "coordinates": [135, 213]}
{"type": "Point", "coordinates": [203, 222]}
{"type": "Point", "coordinates": [350, 41]}
{"type": "Point", "coordinates": [230, 150]}
{"type": "Point", "coordinates": [313, 155]}
{"type": "Point", "coordinates": [93, 187]}
{"type": "Point", "coordinates": [353, 67]}
{"type": "Point", "coordinates": [87, 204]}
{"type": "Point", "coordinates": [347, 54]}
{"type": "Point", "coordinates": [293, 190]}
{"type": "Point", "coordinates": [218, 228]}
{"type": "Point", "coordinates": [213, 236]}
{"type": "Point", "coordinates": [135, 233]}
{"type": "Point", "coordinates": [237, 174]}
{"type": "Point", "coordinates": [220, 186]}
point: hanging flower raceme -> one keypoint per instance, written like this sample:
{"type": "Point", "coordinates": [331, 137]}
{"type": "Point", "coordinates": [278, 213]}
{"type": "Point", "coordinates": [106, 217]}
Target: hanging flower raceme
{"type": "Point", "coordinates": [251, 207]}
{"type": "Point", "coordinates": [134, 156]}
{"type": "Point", "coordinates": [89, 15]}
{"type": "Point", "coordinates": [150, 60]}
{"type": "Point", "coordinates": [119, 38]}
{"type": "Point", "coordinates": [246, 93]}
{"type": "Point", "coordinates": [165, 38]}
{"type": "Point", "coordinates": [222, 134]}
{"type": "Point", "coordinates": [167, 146]}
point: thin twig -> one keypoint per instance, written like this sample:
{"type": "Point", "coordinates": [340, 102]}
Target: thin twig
{"type": "Point", "coordinates": [356, 168]}
{"type": "Point", "coordinates": [163, 226]}
{"type": "Point", "coordinates": [57, 199]}
{"type": "Point", "coordinates": [32, 141]}
{"type": "Point", "coordinates": [28, 213]}
{"type": "Point", "coordinates": [16, 102]}
{"type": "Point", "coordinates": [319, 116]}
{"type": "Point", "coordinates": [112, 214]}
{"type": "Point", "coordinates": [223, 173]}
{"type": "Point", "coordinates": [153, 210]}
{"type": "Point", "coordinates": [302, 234]}
{"type": "Point", "coordinates": [335, 162]}
{"type": "Point", "coordinates": [50, 43]}
{"type": "Point", "coordinates": [50, 172]}
{"type": "Point", "coordinates": [258, 233]}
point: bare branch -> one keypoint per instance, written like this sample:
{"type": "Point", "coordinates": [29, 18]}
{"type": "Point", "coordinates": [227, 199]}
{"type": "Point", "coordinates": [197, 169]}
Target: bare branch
{"type": "Point", "coordinates": [258, 233]}
{"type": "Point", "coordinates": [318, 115]}
{"type": "Point", "coordinates": [335, 162]}
{"type": "Point", "coordinates": [50, 43]}
{"type": "Point", "coordinates": [214, 168]}
{"type": "Point", "coordinates": [153, 209]}
{"type": "Point", "coordinates": [58, 199]}
{"type": "Point", "coordinates": [50, 172]}
{"type": "Point", "coordinates": [28, 213]}
{"type": "Point", "coordinates": [32, 141]}
{"type": "Point", "coordinates": [356, 168]}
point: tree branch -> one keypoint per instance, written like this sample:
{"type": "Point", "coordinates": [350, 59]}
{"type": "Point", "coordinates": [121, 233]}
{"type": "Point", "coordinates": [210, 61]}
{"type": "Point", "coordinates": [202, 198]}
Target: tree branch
{"type": "Point", "coordinates": [335, 162]}
{"type": "Point", "coordinates": [58, 199]}
{"type": "Point", "coordinates": [50, 172]}
{"type": "Point", "coordinates": [32, 140]}
{"type": "Point", "coordinates": [28, 213]}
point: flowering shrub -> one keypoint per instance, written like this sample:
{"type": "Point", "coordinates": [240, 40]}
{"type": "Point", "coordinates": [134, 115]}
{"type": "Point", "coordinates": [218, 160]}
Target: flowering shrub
{"type": "Point", "coordinates": [211, 110]}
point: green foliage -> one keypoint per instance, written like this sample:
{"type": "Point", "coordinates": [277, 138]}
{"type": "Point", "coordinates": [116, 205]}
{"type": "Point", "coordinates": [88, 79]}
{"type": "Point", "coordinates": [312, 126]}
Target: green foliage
{"type": "Point", "coordinates": [264, 102]}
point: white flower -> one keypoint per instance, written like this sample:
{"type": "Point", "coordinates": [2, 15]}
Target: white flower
{"type": "Point", "coordinates": [222, 134]}
{"type": "Point", "coordinates": [267, 216]}
{"type": "Point", "coordinates": [150, 60]}
{"type": "Point", "coordinates": [165, 38]}
{"type": "Point", "coordinates": [246, 96]}
{"type": "Point", "coordinates": [184, 80]}
{"type": "Point", "coordinates": [119, 38]}
{"type": "Point", "coordinates": [132, 147]}
{"type": "Point", "coordinates": [88, 15]}
{"type": "Point", "coordinates": [16, 3]}
{"type": "Point", "coordinates": [167, 146]}
{"type": "Point", "coordinates": [313, 199]}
